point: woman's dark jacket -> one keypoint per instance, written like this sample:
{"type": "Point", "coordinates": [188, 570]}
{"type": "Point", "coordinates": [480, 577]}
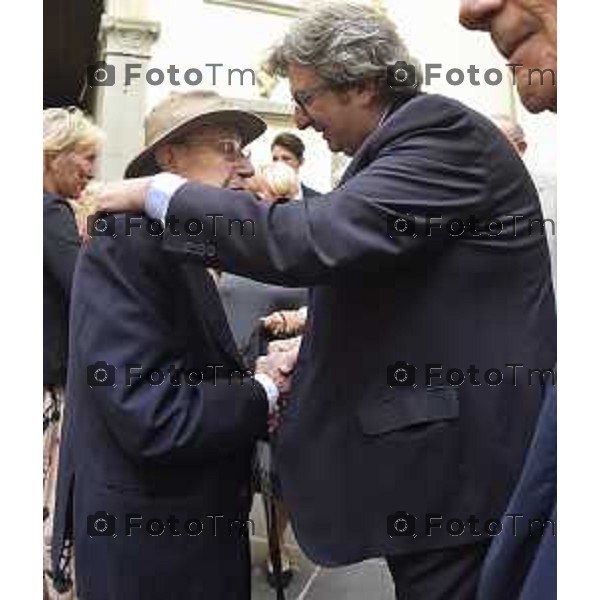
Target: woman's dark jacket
{"type": "Point", "coordinates": [61, 248]}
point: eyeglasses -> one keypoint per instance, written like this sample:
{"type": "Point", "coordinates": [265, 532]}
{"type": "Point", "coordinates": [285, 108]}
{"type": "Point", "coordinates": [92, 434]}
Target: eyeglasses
{"type": "Point", "coordinates": [304, 98]}
{"type": "Point", "coordinates": [231, 150]}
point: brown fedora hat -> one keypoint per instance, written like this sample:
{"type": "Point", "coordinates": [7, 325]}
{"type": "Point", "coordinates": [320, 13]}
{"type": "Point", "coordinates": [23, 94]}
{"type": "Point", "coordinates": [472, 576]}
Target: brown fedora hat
{"type": "Point", "coordinates": [180, 113]}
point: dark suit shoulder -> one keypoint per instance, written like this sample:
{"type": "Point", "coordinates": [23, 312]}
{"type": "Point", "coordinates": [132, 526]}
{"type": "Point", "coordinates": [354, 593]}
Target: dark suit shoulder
{"type": "Point", "coordinates": [449, 121]}
{"type": "Point", "coordinates": [465, 135]}
{"type": "Point", "coordinates": [132, 247]}
{"type": "Point", "coordinates": [124, 230]}
{"type": "Point", "coordinates": [438, 133]}
{"type": "Point", "coordinates": [432, 114]}
{"type": "Point", "coordinates": [125, 242]}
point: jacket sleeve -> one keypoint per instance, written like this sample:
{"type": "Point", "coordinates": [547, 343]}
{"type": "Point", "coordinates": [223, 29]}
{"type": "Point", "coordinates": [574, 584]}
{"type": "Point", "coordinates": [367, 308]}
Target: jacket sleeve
{"type": "Point", "coordinates": [180, 424]}
{"type": "Point", "coordinates": [317, 240]}
{"type": "Point", "coordinates": [154, 413]}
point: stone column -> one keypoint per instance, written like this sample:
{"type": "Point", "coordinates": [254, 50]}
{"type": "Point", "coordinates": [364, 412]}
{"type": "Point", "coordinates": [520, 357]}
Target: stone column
{"type": "Point", "coordinates": [120, 108]}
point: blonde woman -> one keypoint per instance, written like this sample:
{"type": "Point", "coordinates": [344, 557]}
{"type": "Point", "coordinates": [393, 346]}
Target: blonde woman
{"type": "Point", "coordinates": [71, 144]}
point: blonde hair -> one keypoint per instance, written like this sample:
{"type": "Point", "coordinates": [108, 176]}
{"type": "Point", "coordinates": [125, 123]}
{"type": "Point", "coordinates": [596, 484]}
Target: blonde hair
{"type": "Point", "coordinates": [68, 128]}
{"type": "Point", "coordinates": [86, 204]}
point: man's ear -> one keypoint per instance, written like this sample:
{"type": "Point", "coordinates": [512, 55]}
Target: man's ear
{"type": "Point", "coordinates": [368, 92]}
{"type": "Point", "coordinates": [165, 157]}
{"type": "Point", "coordinates": [521, 146]}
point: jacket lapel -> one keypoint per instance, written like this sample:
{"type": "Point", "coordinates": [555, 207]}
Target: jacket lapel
{"type": "Point", "coordinates": [372, 144]}
{"type": "Point", "coordinates": [209, 309]}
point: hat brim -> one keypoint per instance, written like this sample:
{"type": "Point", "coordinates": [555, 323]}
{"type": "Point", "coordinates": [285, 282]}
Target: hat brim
{"type": "Point", "coordinates": [249, 125]}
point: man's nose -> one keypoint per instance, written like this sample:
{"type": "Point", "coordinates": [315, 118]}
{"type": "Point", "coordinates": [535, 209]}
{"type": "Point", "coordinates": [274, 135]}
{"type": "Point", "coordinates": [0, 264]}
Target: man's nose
{"type": "Point", "coordinates": [244, 168]}
{"type": "Point", "coordinates": [476, 14]}
{"type": "Point", "coordinates": [301, 118]}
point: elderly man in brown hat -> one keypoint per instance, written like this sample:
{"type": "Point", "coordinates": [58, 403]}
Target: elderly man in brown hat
{"type": "Point", "coordinates": [161, 416]}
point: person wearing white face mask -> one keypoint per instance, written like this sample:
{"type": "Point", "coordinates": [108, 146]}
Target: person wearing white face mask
{"type": "Point", "coordinates": [289, 149]}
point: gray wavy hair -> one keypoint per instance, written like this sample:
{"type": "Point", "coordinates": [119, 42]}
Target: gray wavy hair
{"type": "Point", "coordinates": [346, 43]}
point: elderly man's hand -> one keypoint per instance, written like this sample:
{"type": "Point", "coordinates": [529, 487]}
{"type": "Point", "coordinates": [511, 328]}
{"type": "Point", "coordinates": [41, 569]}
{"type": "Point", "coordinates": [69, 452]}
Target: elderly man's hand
{"type": "Point", "coordinates": [285, 322]}
{"type": "Point", "coordinates": [278, 366]}
{"type": "Point", "coordinates": [285, 345]}
{"type": "Point", "coordinates": [123, 196]}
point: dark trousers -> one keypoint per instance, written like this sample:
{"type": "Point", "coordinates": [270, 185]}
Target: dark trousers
{"type": "Point", "coordinates": [447, 574]}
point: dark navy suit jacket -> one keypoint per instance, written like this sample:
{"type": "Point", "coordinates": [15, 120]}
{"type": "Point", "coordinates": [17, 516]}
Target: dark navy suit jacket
{"type": "Point", "coordinates": [166, 451]}
{"type": "Point", "coordinates": [308, 192]}
{"type": "Point", "coordinates": [361, 448]}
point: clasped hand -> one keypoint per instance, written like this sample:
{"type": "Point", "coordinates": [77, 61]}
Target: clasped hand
{"type": "Point", "coordinates": [278, 364]}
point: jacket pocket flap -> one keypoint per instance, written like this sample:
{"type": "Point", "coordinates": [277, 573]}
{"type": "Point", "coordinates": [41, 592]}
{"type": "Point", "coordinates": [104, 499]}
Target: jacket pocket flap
{"type": "Point", "coordinates": [400, 408]}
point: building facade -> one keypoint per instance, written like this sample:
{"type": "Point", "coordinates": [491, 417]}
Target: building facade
{"type": "Point", "coordinates": [220, 45]}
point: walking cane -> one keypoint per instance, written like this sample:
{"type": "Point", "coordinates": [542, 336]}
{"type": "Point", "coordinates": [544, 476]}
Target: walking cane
{"type": "Point", "coordinates": [256, 346]}
{"type": "Point", "coordinates": [274, 548]}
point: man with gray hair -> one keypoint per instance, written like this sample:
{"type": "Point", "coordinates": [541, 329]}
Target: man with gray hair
{"type": "Point", "coordinates": [407, 426]}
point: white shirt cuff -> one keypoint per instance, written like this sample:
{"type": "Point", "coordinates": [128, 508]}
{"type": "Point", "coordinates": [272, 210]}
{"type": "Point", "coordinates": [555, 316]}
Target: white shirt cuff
{"type": "Point", "coordinates": [270, 389]}
{"type": "Point", "coordinates": [159, 194]}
